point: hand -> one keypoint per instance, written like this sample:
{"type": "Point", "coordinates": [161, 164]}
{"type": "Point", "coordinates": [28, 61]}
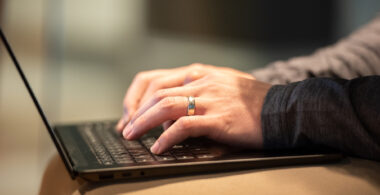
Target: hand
{"type": "Point", "coordinates": [228, 108]}
{"type": "Point", "coordinates": [145, 84]}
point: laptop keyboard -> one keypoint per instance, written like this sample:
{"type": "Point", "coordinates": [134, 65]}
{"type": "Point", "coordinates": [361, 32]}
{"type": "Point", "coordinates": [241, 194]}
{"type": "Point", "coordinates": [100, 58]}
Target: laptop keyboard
{"type": "Point", "coordinates": [110, 148]}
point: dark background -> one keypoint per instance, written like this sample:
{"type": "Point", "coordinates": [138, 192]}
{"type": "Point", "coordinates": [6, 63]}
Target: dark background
{"type": "Point", "coordinates": [264, 21]}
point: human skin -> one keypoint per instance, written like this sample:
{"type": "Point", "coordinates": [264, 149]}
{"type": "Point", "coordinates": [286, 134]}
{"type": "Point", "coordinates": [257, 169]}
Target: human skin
{"type": "Point", "coordinates": [228, 106]}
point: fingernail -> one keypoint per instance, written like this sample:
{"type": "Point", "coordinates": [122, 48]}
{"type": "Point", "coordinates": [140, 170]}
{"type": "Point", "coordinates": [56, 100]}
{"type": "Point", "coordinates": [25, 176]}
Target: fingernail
{"type": "Point", "coordinates": [127, 131]}
{"type": "Point", "coordinates": [120, 125]}
{"type": "Point", "coordinates": [156, 146]}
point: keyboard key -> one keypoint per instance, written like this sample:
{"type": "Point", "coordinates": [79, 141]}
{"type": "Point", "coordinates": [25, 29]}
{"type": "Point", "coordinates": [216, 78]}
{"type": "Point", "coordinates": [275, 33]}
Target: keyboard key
{"type": "Point", "coordinates": [142, 156]}
{"type": "Point", "coordinates": [149, 140]}
{"type": "Point", "coordinates": [205, 156]}
{"type": "Point", "coordinates": [124, 161]}
{"type": "Point", "coordinates": [132, 144]}
{"type": "Point", "coordinates": [122, 157]}
{"type": "Point", "coordinates": [184, 157]}
{"type": "Point", "coordinates": [110, 149]}
{"type": "Point", "coordinates": [164, 158]}
{"type": "Point", "coordinates": [147, 159]}
{"type": "Point", "coordinates": [181, 153]}
{"type": "Point", "coordinates": [138, 152]}
{"type": "Point", "coordinates": [200, 151]}
{"type": "Point", "coordinates": [178, 146]}
{"type": "Point", "coordinates": [107, 162]}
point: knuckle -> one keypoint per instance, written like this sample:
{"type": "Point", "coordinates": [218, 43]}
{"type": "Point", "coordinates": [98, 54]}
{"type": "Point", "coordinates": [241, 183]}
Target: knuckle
{"type": "Point", "coordinates": [128, 104]}
{"type": "Point", "coordinates": [160, 95]}
{"type": "Point", "coordinates": [213, 75]}
{"type": "Point", "coordinates": [141, 76]}
{"type": "Point", "coordinates": [197, 65]}
{"type": "Point", "coordinates": [213, 87]}
{"type": "Point", "coordinates": [183, 124]}
{"type": "Point", "coordinates": [167, 103]}
{"type": "Point", "coordinates": [155, 84]}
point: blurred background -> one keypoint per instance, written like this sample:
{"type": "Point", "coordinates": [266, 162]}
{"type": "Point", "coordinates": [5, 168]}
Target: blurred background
{"type": "Point", "coordinates": [80, 56]}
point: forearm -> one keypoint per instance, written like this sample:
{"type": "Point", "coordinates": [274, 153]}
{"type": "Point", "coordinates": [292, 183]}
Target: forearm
{"type": "Point", "coordinates": [355, 56]}
{"type": "Point", "coordinates": [342, 114]}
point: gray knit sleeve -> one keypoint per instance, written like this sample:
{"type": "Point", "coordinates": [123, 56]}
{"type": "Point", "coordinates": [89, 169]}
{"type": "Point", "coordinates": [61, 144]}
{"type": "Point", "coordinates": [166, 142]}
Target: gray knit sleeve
{"type": "Point", "coordinates": [355, 56]}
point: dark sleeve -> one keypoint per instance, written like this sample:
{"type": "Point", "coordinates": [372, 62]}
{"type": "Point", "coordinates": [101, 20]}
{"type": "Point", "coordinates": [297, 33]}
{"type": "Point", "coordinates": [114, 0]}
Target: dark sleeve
{"type": "Point", "coordinates": [338, 113]}
{"type": "Point", "coordinates": [354, 56]}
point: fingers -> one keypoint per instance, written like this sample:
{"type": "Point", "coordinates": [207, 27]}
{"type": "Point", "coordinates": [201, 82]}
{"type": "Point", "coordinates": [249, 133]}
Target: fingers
{"type": "Point", "coordinates": [178, 78]}
{"type": "Point", "coordinates": [167, 124]}
{"type": "Point", "coordinates": [120, 125]}
{"type": "Point", "coordinates": [146, 83]}
{"type": "Point", "coordinates": [192, 76]}
{"type": "Point", "coordinates": [185, 127]}
{"type": "Point", "coordinates": [134, 94]}
{"type": "Point", "coordinates": [169, 108]}
{"type": "Point", "coordinates": [164, 93]}
{"type": "Point", "coordinates": [137, 89]}
{"type": "Point", "coordinates": [123, 121]}
{"type": "Point", "coordinates": [168, 81]}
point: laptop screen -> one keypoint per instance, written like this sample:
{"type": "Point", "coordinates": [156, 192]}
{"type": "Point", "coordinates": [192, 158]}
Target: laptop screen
{"type": "Point", "coordinates": [73, 90]}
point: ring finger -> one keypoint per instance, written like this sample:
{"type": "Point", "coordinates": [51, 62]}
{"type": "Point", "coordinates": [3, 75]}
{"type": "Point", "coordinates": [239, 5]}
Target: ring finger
{"type": "Point", "coordinates": [169, 108]}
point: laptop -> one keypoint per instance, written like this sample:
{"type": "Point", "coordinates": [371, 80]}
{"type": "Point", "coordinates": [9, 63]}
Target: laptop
{"type": "Point", "coordinates": [95, 152]}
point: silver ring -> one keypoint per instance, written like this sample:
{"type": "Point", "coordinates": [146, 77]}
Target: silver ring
{"type": "Point", "coordinates": [191, 106]}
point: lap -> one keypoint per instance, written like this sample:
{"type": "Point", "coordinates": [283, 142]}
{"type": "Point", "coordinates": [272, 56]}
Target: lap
{"type": "Point", "coordinates": [351, 176]}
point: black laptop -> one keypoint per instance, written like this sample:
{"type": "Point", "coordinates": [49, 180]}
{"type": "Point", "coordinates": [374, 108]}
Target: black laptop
{"type": "Point", "coordinates": [95, 152]}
